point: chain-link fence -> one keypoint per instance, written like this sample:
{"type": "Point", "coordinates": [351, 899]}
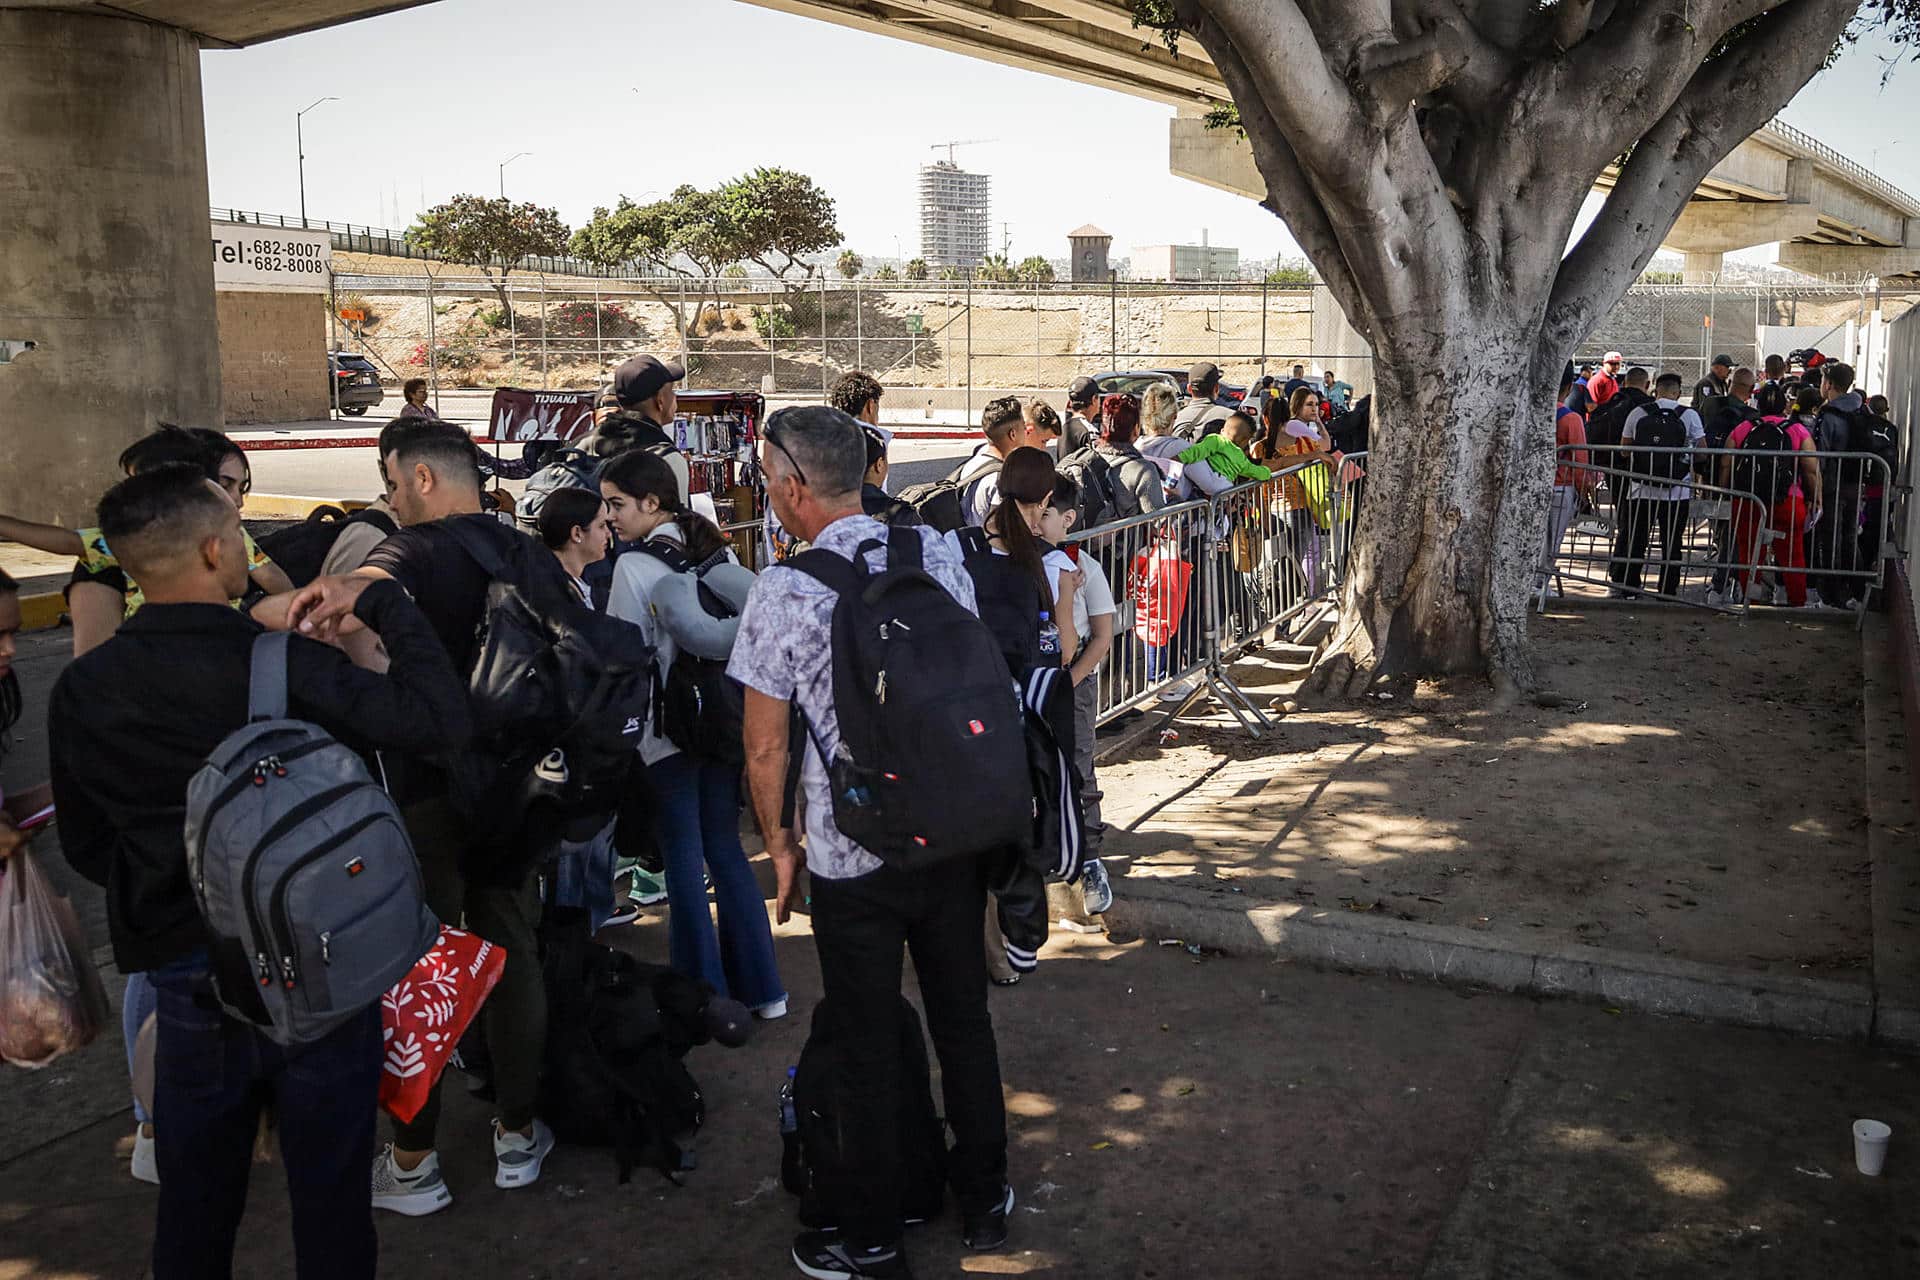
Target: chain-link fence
{"type": "Point", "coordinates": [947, 346]}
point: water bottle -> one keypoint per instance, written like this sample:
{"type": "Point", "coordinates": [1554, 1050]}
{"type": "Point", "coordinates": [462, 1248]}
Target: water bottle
{"type": "Point", "coordinates": [792, 1169]}
{"type": "Point", "coordinates": [1049, 636]}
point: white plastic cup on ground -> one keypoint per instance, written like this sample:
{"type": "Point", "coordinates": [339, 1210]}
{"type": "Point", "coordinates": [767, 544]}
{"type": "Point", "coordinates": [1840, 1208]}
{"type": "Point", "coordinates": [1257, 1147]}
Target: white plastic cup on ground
{"type": "Point", "coordinates": [1870, 1146]}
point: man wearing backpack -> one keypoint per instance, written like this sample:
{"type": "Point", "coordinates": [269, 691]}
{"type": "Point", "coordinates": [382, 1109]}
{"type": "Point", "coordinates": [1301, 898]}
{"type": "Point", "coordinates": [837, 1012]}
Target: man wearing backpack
{"type": "Point", "coordinates": [122, 759]}
{"type": "Point", "coordinates": [1844, 426]}
{"type": "Point", "coordinates": [1083, 417]}
{"type": "Point", "coordinates": [1658, 495]}
{"type": "Point", "coordinates": [435, 491]}
{"type": "Point", "coordinates": [644, 388]}
{"type": "Point", "coordinates": [803, 647]}
{"type": "Point", "coordinates": [966, 496]}
{"type": "Point", "coordinates": [1123, 482]}
{"type": "Point", "coordinates": [1203, 404]}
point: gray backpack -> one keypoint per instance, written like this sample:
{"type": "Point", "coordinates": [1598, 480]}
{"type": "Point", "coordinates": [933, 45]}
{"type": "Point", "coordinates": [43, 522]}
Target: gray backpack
{"type": "Point", "coordinates": [302, 870]}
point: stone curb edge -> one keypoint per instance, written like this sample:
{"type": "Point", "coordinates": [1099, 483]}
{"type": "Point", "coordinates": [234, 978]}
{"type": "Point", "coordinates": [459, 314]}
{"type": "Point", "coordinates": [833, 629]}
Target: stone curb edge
{"type": "Point", "coordinates": [1459, 957]}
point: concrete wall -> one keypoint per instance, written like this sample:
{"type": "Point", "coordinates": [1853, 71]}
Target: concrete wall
{"type": "Point", "coordinates": [105, 261]}
{"type": "Point", "coordinates": [273, 356]}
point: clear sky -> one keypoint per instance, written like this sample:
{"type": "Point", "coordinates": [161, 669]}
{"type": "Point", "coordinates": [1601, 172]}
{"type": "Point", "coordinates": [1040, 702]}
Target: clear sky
{"type": "Point", "coordinates": [639, 97]}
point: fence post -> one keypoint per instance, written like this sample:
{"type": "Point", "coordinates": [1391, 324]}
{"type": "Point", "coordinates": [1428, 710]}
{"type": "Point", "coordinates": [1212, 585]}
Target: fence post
{"type": "Point", "coordinates": [599, 349]}
{"type": "Point", "coordinates": [686, 326]}
{"type": "Point", "coordinates": [859, 329]}
{"type": "Point", "coordinates": [1263, 326]}
{"type": "Point", "coordinates": [969, 346]}
{"type": "Point", "coordinates": [1036, 338]}
{"type": "Point", "coordinates": [543, 331]}
{"type": "Point", "coordinates": [1113, 319]}
{"type": "Point", "coordinates": [823, 335]}
{"type": "Point", "coordinates": [333, 340]}
{"type": "Point", "coordinates": [433, 356]}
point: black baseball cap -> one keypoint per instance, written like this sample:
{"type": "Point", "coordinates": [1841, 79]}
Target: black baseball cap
{"type": "Point", "coordinates": [641, 378]}
{"type": "Point", "coordinates": [1082, 392]}
{"type": "Point", "coordinates": [1204, 374]}
{"type": "Point", "coordinates": [1723, 360]}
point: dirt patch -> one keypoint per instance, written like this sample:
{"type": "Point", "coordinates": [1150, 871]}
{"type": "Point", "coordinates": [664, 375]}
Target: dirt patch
{"type": "Point", "coordinates": [1700, 796]}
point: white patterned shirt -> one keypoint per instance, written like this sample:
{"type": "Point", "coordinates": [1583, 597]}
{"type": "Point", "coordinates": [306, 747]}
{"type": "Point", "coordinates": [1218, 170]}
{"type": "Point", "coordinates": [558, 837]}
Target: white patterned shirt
{"type": "Point", "coordinates": [784, 650]}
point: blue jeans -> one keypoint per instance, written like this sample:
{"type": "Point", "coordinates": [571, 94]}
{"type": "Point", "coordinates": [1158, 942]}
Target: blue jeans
{"type": "Point", "coordinates": [212, 1074]}
{"type": "Point", "coordinates": [136, 1006]}
{"type": "Point", "coordinates": [699, 821]}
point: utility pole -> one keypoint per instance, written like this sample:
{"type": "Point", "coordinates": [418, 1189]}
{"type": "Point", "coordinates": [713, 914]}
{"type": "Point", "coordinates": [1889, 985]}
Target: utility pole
{"type": "Point", "coordinates": [300, 146]}
{"type": "Point", "coordinates": [503, 170]}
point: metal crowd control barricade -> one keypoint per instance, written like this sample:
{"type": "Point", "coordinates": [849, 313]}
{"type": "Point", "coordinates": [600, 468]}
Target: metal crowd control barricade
{"type": "Point", "coordinates": [1730, 545]}
{"type": "Point", "coordinates": [1156, 566]}
{"type": "Point", "coordinates": [1274, 553]}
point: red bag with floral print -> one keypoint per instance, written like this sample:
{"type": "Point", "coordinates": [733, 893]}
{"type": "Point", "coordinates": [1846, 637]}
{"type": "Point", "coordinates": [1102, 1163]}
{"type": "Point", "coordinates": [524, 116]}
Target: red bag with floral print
{"type": "Point", "coordinates": [423, 1017]}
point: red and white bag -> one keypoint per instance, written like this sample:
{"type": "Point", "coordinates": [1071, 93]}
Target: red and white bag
{"type": "Point", "coordinates": [423, 1017]}
{"type": "Point", "coordinates": [1159, 590]}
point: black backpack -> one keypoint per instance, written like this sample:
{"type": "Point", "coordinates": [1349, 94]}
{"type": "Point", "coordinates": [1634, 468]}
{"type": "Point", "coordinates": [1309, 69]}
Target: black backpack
{"type": "Point", "coordinates": [924, 699]}
{"type": "Point", "coordinates": [699, 707]}
{"type": "Point", "coordinates": [1610, 419]}
{"type": "Point", "coordinates": [1008, 598]}
{"type": "Point", "coordinates": [559, 696]}
{"type": "Point", "coordinates": [617, 1033]}
{"type": "Point", "coordinates": [301, 549]}
{"type": "Point", "coordinates": [942, 504]}
{"type": "Point", "coordinates": [1868, 432]}
{"type": "Point", "coordinates": [819, 1172]}
{"type": "Point", "coordinates": [1766, 465]}
{"type": "Point", "coordinates": [566, 469]}
{"type": "Point", "coordinates": [1660, 428]}
{"type": "Point", "coordinates": [1099, 500]}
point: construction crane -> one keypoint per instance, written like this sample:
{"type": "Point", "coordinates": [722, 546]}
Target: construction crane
{"type": "Point", "coordinates": [960, 142]}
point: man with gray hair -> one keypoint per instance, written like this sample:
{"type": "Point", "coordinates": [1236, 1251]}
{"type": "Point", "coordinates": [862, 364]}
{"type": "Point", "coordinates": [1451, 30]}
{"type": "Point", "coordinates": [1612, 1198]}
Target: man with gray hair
{"type": "Point", "coordinates": [865, 911]}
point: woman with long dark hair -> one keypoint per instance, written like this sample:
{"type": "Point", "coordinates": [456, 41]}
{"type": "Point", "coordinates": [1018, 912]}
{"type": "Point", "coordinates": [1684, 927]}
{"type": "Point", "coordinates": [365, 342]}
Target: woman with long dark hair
{"type": "Point", "coordinates": [1014, 605]}
{"type": "Point", "coordinates": [574, 525]}
{"type": "Point", "coordinates": [699, 815]}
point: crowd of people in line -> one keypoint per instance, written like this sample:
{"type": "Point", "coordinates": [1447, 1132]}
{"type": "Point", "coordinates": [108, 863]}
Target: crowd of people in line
{"type": "Point", "coordinates": [1773, 472]}
{"type": "Point", "coordinates": [388, 614]}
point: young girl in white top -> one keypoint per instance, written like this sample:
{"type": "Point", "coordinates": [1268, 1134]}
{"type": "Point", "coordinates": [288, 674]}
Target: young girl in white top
{"type": "Point", "coordinates": [699, 800]}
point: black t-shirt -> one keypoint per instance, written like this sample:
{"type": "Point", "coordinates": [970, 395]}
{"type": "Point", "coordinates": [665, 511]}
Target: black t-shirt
{"type": "Point", "coordinates": [448, 584]}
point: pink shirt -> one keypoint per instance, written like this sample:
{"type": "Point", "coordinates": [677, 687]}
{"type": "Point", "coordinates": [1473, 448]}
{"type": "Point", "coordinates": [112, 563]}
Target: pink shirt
{"type": "Point", "coordinates": [1797, 436]}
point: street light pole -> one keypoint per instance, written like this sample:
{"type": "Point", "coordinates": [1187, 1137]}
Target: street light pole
{"type": "Point", "coordinates": [503, 170]}
{"type": "Point", "coordinates": [300, 145]}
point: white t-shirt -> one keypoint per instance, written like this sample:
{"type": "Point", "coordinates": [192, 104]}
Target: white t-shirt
{"type": "Point", "coordinates": [1095, 596]}
{"type": "Point", "coordinates": [1695, 434]}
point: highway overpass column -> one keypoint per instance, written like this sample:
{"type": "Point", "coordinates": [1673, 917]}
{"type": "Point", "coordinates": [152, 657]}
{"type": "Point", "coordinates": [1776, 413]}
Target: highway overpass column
{"type": "Point", "coordinates": [105, 258]}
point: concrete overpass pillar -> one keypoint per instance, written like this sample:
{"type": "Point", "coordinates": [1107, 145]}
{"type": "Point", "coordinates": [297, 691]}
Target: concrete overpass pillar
{"type": "Point", "coordinates": [1701, 268]}
{"type": "Point", "coordinates": [105, 263]}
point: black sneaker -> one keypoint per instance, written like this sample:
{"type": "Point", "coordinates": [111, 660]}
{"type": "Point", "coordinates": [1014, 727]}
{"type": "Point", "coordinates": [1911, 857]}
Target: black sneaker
{"type": "Point", "coordinates": [987, 1231]}
{"type": "Point", "coordinates": [825, 1255]}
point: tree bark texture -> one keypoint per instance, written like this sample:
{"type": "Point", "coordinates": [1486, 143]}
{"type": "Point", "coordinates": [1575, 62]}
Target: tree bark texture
{"type": "Point", "coordinates": [1431, 157]}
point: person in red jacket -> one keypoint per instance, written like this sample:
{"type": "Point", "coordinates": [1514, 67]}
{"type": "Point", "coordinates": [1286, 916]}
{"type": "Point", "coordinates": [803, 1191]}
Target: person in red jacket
{"type": "Point", "coordinates": [1604, 385]}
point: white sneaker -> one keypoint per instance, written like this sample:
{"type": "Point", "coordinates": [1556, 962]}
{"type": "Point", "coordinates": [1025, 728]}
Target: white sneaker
{"type": "Point", "coordinates": [412, 1193]}
{"type": "Point", "coordinates": [771, 1009]}
{"type": "Point", "coordinates": [517, 1159]}
{"type": "Point", "coordinates": [1096, 891]}
{"type": "Point", "coordinates": [146, 1164]}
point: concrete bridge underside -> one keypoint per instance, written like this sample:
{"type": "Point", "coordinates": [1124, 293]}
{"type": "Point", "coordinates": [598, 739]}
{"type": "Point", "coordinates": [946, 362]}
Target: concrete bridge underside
{"type": "Point", "coordinates": [1829, 214]}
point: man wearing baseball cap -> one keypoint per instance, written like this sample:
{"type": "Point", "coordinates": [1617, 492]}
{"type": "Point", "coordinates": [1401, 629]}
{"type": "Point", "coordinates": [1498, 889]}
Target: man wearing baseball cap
{"type": "Point", "coordinates": [1082, 426]}
{"type": "Point", "coordinates": [1604, 385]}
{"type": "Point", "coordinates": [643, 389]}
{"type": "Point", "coordinates": [1712, 389]}
{"type": "Point", "coordinates": [1203, 406]}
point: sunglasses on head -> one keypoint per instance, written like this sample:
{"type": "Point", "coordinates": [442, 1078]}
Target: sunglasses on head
{"type": "Point", "coordinates": [773, 438]}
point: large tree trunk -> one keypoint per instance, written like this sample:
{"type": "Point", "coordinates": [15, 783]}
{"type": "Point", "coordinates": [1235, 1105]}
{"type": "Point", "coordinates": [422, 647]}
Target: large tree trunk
{"type": "Point", "coordinates": [1459, 476]}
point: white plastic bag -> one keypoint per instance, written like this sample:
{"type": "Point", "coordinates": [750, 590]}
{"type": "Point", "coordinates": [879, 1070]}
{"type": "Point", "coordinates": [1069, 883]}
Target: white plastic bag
{"type": "Point", "coordinates": [51, 1000]}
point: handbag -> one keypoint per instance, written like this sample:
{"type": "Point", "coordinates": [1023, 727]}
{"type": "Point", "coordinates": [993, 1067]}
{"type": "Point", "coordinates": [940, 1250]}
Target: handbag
{"type": "Point", "coordinates": [1159, 591]}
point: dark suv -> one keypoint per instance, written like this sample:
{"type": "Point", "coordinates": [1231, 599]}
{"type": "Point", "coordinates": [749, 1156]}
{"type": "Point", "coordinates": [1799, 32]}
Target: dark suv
{"type": "Point", "coordinates": [354, 384]}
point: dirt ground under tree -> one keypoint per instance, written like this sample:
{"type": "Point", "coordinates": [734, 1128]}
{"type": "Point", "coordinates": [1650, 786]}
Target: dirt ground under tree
{"type": "Point", "coordinates": [1700, 796]}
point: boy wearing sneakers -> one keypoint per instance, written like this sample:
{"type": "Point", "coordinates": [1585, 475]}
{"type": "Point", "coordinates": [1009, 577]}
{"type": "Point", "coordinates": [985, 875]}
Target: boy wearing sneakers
{"type": "Point", "coordinates": [1094, 615]}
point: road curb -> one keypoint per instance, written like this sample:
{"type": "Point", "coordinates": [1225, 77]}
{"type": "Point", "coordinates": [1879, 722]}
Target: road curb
{"type": "Point", "coordinates": [1217, 919]}
{"type": "Point", "coordinates": [41, 610]}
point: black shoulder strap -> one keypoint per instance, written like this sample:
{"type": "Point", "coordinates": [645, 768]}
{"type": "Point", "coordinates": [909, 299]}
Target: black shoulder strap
{"type": "Point", "coordinates": [974, 542]}
{"type": "Point", "coordinates": [667, 553]}
{"type": "Point", "coordinates": [267, 677]}
{"type": "Point", "coordinates": [484, 552]}
{"type": "Point", "coordinates": [826, 568]}
{"type": "Point", "coordinates": [903, 548]}
{"type": "Point", "coordinates": [377, 518]}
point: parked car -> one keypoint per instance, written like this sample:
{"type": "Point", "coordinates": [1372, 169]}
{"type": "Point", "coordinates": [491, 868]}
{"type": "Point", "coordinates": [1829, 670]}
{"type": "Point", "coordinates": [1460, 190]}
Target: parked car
{"type": "Point", "coordinates": [1134, 381]}
{"type": "Point", "coordinates": [354, 383]}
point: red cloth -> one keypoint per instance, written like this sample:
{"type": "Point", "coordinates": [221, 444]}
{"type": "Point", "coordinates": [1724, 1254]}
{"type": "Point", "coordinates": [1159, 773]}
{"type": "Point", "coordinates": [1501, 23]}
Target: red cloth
{"type": "Point", "coordinates": [1160, 579]}
{"type": "Point", "coordinates": [1569, 428]}
{"type": "Point", "coordinates": [426, 1013]}
{"type": "Point", "coordinates": [1602, 387]}
{"type": "Point", "coordinates": [1788, 552]}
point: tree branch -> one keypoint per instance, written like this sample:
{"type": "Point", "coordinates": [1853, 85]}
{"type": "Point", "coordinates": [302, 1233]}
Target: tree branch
{"type": "Point", "coordinates": [1571, 21]}
{"type": "Point", "coordinates": [1726, 100]}
{"type": "Point", "coordinates": [1276, 46]}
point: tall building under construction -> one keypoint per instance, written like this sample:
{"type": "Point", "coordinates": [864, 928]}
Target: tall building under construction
{"type": "Point", "coordinates": [954, 228]}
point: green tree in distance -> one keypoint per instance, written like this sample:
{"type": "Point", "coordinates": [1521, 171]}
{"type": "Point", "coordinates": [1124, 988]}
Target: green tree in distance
{"type": "Point", "coordinates": [490, 233]}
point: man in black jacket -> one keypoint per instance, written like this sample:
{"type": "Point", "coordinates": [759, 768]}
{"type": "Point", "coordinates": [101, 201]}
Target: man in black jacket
{"type": "Point", "coordinates": [644, 389]}
{"type": "Point", "coordinates": [130, 723]}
